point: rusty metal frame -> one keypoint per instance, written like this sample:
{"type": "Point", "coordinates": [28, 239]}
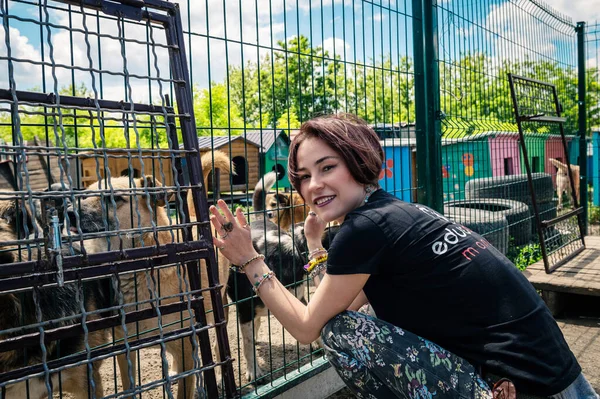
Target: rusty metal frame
{"type": "Point", "coordinates": [520, 88]}
{"type": "Point", "coordinates": [84, 266]}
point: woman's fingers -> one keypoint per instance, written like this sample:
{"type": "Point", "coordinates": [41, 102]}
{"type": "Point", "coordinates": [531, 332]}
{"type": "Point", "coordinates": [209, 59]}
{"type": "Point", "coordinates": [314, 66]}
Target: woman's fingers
{"type": "Point", "coordinates": [241, 218]}
{"type": "Point", "coordinates": [225, 209]}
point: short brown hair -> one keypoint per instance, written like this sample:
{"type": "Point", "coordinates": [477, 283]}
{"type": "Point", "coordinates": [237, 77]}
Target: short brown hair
{"type": "Point", "coordinates": [348, 135]}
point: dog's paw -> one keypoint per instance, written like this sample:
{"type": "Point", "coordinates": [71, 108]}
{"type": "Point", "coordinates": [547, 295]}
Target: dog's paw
{"type": "Point", "coordinates": [257, 375]}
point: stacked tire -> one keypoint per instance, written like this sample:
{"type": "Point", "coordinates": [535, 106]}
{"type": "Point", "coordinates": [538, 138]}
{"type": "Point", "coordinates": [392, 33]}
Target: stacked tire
{"type": "Point", "coordinates": [517, 214]}
{"type": "Point", "coordinates": [491, 225]}
{"type": "Point", "coordinates": [516, 188]}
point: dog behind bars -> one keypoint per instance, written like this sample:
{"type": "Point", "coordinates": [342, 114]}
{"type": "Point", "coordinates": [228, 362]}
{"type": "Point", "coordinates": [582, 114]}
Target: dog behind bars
{"type": "Point", "coordinates": [283, 209]}
{"type": "Point", "coordinates": [19, 312]}
{"type": "Point", "coordinates": [140, 290]}
{"type": "Point", "coordinates": [563, 185]}
{"type": "Point", "coordinates": [286, 254]}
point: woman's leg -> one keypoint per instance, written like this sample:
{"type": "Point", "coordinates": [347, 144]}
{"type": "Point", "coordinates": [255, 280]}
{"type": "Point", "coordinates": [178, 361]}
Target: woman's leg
{"type": "Point", "coordinates": [579, 389]}
{"type": "Point", "coordinates": [379, 360]}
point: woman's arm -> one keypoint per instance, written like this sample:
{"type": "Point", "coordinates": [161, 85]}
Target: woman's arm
{"type": "Point", "coordinates": [305, 322]}
{"type": "Point", "coordinates": [359, 301]}
{"type": "Point", "coordinates": [334, 295]}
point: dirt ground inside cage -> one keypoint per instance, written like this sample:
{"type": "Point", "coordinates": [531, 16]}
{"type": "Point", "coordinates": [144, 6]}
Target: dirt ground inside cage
{"type": "Point", "coordinates": [580, 325]}
{"type": "Point", "coordinates": [274, 344]}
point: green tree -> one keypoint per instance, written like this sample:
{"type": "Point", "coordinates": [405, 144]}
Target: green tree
{"type": "Point", "coordinates": [215, 113]}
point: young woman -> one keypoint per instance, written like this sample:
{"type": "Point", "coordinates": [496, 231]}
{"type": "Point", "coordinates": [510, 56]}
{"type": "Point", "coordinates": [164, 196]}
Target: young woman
{"type": "Point", "coordinates": [454, 315]}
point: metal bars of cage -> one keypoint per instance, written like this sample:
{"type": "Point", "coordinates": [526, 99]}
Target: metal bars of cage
{"type": "Point", "coordinates": [536, 103]}
{"type": "Point", "coordinates": [58, 269]}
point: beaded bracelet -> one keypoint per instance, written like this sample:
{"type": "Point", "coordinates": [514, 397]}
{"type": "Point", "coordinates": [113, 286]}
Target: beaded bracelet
{"type": "Point", "coordinates": [316, 251]}
{"type": "Point", "coordinates": [240, 268]}
{"type": "Point", "coordinates": [318, 270]}
{"type": "Point", "coordinates": [314, 262]}
{"type": "Point", "coordinates": [262, 279]}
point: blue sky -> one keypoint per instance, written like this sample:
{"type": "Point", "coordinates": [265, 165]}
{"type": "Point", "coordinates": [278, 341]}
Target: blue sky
{"type": "Point", "coordinates": [357, 31]}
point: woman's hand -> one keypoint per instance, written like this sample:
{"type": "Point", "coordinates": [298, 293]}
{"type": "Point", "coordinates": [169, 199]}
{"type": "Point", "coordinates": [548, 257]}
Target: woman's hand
{"type": "Point", "coordinates": [233, 236]}
{"type": "Point", "coordinates": [314, 227]}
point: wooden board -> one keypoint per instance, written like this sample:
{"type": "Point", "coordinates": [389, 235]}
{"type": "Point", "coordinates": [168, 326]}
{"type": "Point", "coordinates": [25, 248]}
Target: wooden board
{"type": "Point", "coordinates": [580, 275]}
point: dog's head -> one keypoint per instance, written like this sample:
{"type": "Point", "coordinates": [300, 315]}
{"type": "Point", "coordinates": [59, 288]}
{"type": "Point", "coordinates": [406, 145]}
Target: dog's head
{"type": "Point", "coordinates": [285, 209]}
{"type": "Point", "coordinates": [125, 204]}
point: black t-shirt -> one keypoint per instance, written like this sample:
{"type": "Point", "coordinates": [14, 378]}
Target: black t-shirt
{"type": "Point", "coordinates": [444, 282]}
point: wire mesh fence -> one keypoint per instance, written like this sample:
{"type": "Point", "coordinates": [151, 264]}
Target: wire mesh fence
{"type": "Point", "coordinates": [483, 166]}
{"type": "Point", "coordinates": [134, 100]}
{"type": "Point", "coordinates": [106, 248]}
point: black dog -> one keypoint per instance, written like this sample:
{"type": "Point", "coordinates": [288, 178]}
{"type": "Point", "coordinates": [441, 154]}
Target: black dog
{"type": "Point", "coordinates": [286, 254]}
{"type": "Point", "coordinates": [18, 311]}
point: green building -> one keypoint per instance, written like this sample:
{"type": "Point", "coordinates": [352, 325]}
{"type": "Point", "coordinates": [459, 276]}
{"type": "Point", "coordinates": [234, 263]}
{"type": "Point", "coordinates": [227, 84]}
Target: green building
{"type": "Point", "coordinates": [274, 148]}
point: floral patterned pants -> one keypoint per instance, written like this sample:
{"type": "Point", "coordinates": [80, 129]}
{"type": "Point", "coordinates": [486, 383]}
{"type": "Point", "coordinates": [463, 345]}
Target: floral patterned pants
{"type": "Point", "coordinates": [379, 360]}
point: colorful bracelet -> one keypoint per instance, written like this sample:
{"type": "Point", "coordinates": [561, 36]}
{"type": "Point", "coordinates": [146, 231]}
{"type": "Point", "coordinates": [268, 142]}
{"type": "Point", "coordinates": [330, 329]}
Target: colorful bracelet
{"type": "Point", "coordinates": [262, 279]}
{"type": "Point", "coordinates": [318, 270]}
{"type": "Point", "coordinates": [316, 251]}
{"type": "Point", "coordinates": [240, 268]}
{"type": "Point", "coordinates": [314, 262]}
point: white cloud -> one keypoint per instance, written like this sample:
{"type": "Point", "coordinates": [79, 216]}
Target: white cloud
{"type": "Point", "coordinates": [379, 17]}
{"type": "Point", "coordinates": [24, 73]}
{"type": "Point", "coordinates": [70, 48]}
{"type": "Point", "coordinates": [339, 45]}
{"type": "Point", "coordinates": [515, 34]}
{"type": "Point", "coordinates": [579, 10]}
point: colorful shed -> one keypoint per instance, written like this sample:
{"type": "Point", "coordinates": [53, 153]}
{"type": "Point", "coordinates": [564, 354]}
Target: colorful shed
{"type": "Point", "coordinates": [464, 159]}
{"type": "Point", "coordinates": [536, 152]}
{"type": "Point", "coordinates": [504, 153]}
{"type": "Point", "coordinates": [554, 149]}
{"type": "Point", "coordinates": [399, 168]}
{"type": "Point", "coordinates": [574, 156]}
{"type": "Point", "coordinates": [274, 148]}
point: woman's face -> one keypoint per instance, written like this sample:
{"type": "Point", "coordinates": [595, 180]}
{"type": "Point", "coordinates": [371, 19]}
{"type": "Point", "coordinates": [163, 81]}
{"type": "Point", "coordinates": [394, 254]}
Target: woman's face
{"type": "Point", "coordinates": [325, 181]}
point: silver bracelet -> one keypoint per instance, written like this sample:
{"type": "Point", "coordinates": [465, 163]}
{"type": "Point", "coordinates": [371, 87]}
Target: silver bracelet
{"type": "Point", "coordinates": [318, 270]}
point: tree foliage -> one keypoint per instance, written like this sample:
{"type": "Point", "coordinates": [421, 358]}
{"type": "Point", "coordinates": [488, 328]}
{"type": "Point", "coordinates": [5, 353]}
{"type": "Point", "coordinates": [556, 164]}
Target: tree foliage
{"type": "Point", "coordinates": [297, 81]}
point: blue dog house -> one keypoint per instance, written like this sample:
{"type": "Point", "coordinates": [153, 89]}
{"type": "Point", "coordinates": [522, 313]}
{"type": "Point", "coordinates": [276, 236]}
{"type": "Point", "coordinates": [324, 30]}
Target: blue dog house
{"type": "Point", "coordinates": [397, 173]}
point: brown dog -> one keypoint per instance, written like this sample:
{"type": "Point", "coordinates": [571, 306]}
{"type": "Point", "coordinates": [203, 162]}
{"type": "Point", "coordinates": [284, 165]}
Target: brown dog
{"type": "Point", "coordinates": [283, 209]}
{"type": "Point", "coordinates": [563, 185]}
{"type": "Point", "coordinates": [19, 312]}
{"type": "Point", "coordinates": [142, 211]}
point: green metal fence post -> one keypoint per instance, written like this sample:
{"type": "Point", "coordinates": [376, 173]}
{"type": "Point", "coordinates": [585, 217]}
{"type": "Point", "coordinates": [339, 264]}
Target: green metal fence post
{"type": "Point", "coordinates": [583, 172]}
{"type": "Point", "coordinates": [427, 104]}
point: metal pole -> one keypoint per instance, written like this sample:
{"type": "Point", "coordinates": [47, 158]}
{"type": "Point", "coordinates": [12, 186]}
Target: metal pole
{"type": "Point", "coordinates": [581, 80]}
{"type": "Point", "coordinates": [427, 104]}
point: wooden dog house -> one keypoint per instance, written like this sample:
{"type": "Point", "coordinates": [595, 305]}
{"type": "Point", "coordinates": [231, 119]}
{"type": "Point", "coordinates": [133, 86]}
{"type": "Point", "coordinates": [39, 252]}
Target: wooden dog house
{"type": "Point", "coordinates": [120, 163]}
{"type": "Point", "coordinates": [245, 157]}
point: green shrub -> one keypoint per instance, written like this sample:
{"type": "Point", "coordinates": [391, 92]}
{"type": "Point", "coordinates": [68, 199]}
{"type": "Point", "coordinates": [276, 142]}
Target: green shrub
{"type": "Point", "coordinates": [528, 255]}
{"type": "Point", "coordinates": [594, 214]}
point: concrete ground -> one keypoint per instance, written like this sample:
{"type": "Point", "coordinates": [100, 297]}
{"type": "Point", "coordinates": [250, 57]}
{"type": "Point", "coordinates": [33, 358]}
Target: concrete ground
{"type": "Point", "coordinates": [580, 324]}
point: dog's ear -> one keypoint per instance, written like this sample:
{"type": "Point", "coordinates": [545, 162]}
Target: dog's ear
{"type": "Point", "coordinates": [17, 217]}
{"type": "Point", "coordinates": [283, 199]}
{"type": "Point", "coordinates": [157, 196]}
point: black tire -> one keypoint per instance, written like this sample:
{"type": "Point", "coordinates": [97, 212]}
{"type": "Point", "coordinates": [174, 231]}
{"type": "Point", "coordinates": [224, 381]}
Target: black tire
{"type": "Point", "coordinates": [517, 214]}
{"type": "Point", "coordinates": [513, 187]}
{"type": "Point", "coordinates": [492, 226]}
